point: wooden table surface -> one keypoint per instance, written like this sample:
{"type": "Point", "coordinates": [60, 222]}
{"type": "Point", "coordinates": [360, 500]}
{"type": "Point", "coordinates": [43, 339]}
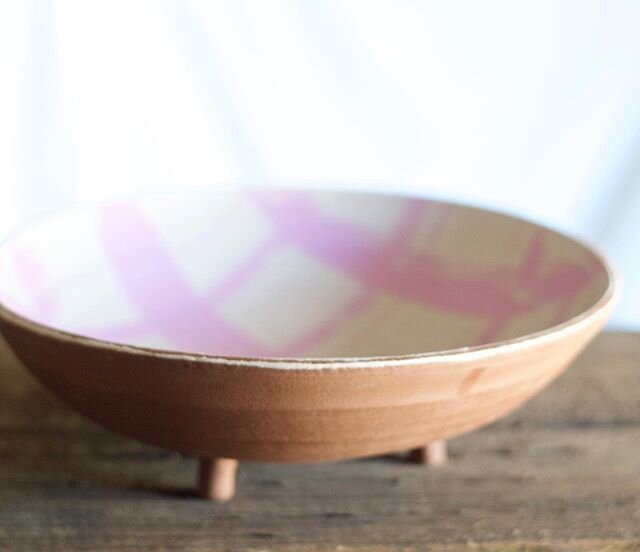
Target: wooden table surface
{"type": "Point", "coordinates": [562, 473]}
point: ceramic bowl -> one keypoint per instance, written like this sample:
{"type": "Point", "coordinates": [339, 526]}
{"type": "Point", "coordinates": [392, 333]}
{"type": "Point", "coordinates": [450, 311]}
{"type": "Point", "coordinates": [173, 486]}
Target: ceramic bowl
{"type": "Point", "coordinates": [284, 325]}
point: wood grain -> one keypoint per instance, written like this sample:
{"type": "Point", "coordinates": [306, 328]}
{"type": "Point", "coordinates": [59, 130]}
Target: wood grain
{"type": "Point", "coordinates": [563, 473]}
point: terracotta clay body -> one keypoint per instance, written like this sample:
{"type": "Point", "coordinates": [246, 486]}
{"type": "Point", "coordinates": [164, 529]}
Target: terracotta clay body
{"type": "Point", "coordinates": [296, 326]}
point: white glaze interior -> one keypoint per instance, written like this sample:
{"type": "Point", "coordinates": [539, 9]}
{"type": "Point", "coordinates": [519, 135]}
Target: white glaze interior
{"type": "Point", "coordinates": [295, 274]}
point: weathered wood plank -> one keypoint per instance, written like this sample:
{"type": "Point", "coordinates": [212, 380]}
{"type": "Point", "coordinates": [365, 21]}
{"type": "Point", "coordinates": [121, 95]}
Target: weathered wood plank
{"type": "Point", "coordinates": [561, 474]}
{"type": "Point", "coordinates": [599, 388]}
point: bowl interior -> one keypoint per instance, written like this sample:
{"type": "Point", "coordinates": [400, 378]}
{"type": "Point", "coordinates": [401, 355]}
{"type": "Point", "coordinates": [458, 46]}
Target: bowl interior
{"type": "Point", "coordinates": [267, 273]}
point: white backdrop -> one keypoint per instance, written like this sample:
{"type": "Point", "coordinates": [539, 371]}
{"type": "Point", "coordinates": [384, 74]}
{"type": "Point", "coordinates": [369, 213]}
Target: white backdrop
{"type": "Point", "coordinates": [527, 106]}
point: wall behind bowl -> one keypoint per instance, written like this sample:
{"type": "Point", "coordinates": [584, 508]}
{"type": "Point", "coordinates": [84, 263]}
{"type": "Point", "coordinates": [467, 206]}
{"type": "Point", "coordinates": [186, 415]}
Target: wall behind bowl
{"type": "Point", "coordinates": [528, 107]}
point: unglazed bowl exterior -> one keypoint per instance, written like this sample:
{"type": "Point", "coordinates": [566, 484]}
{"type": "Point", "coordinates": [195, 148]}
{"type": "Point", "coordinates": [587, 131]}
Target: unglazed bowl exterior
{"type": "Point", "coordinates": [288, 325]}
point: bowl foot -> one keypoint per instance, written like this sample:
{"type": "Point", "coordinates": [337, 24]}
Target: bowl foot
{"type": "Point", "coordinates": [217, 478]}
{"type": "Point", "coordinates": [432, 454]}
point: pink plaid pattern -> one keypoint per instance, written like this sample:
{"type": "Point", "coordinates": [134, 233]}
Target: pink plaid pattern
{"type": "Point", "coordinates": [366, 264]}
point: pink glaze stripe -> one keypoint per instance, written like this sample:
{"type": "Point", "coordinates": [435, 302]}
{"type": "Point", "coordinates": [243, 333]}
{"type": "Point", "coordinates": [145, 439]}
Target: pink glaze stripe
{"type": "Point", "coordinates": [179, 314]}
{"type": "Point", "coordinates": [395, 248]}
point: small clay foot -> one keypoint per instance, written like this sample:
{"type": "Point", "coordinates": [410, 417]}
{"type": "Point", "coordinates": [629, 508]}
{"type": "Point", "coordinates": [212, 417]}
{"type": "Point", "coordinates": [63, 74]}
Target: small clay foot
{"type": "Point", "coordinates": [432, 454]}
{"type": "Point", "coordinates": [217, 478]}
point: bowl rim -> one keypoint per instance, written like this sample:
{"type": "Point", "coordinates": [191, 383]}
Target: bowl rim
{"type": "Point", "coordinates": [600, 308]}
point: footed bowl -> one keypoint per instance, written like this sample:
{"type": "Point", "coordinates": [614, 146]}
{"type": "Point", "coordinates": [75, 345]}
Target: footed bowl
{"type": "Point", "coordinates": [287, 325]}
